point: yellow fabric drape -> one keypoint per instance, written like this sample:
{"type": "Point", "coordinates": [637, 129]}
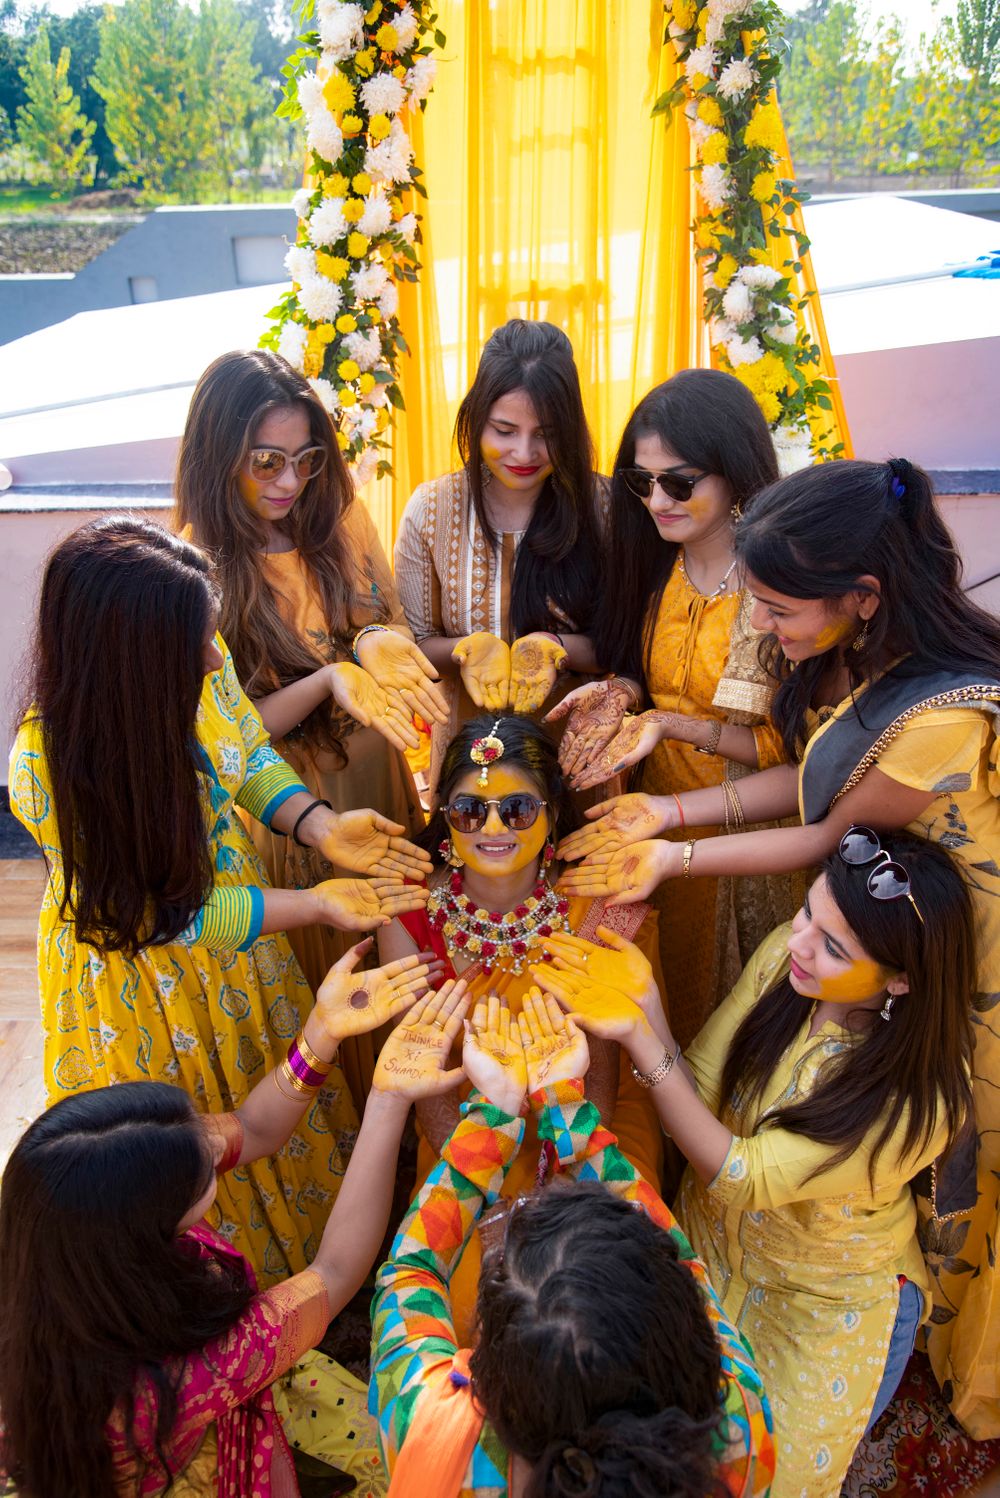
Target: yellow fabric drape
{"type": "Point", "coordinates": [552, 193]}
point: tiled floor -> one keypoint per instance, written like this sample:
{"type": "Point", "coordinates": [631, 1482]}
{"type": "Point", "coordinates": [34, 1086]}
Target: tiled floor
{"type": "Point", "coordinates": [22, 1093]}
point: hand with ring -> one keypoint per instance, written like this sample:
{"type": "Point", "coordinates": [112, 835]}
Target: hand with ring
{"type": "Point", "coordinates": [493, 1057]}
{"type": "Point", "coordinates": [413, 1063]}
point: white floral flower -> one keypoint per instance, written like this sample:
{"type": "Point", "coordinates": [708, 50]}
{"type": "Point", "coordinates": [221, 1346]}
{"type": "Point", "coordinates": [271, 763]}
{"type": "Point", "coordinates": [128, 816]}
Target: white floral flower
{"type": "Point", "coordinates": [737, 302]}
{"type": "Point", "coordinates": [292, 344]}
{"type": "Point", "coordinates": [326, 393]}
{"type": "Point", "coordinates": [407, 226]}
{"type": "Point", "coordinates": [364, 348]}
{"type": "Point", "coordinates": [377, 216]}
{"type": "Point", "coordinates": [320, 299]}
{"type": "Point", "coordinates": [383, 94]}
{"type": "Point", "coordinates": [341, 28]}
{"type": "Point", "coordinates": [714, 27]}
{"type": "Point", "coordinates": [744, 351]}
{"type": "Point", "coordinates": [300, 263]}
{"type": "Point", "coordinates": [793, 446]}
{"type": "Point", "coordinates": [406, 28]}
{"type": "Point", "coordinates": [760, 277]}
{"type": "Point", "coordinates": [301, 203]}
{"type": "Point", "coordinates": [784, 329]}
{"type": "Point", "coordinates": [720, 330]}
{"type": "Point", "coordinates": [324, 135]}
{"type": "Point", "coordinates": [420, 78]}
{"type": "Point", "coordinates": [736, 79]}
{"type": "Point", "coordinates": [388, 302]}
{"type": "Point", "coordinates": [363, 470]}
{"type": "Point", "coordinates": [327, 223]}
{"type": "Point", "coordinates": [369, 282]}
{"type": "Point", "coordinates": [701, 60]}
{"type": "Point", "coordinates": [310, 91]}
{"type": "Point", "coordinates": [727, 8]}
{"type": "Point", "coordinates": [377, 396]}
{"type": "Point", "coordinates": [700, 131]}
{"type": "Point", "coordinates": [390, 160]}
{"type": "Point", "coordinates": [714, 186]}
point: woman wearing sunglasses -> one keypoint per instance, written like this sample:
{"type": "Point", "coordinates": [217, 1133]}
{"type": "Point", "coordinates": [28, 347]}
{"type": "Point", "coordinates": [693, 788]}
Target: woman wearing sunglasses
{"type": "Point", "coordinates": [494, 902]}
{"type": "Point", "coordinates": [498, 565]}
{"type": "Point", "coordinates": [889, 704]}
{"type": "Point", "coordinates": [603, 1364]}
{"type": "Point", "coordinates": [833, 1076]}
{"type": "Point", "coordinates": [310, 613]}
{"type": "Point", "coordinates": [675, 625]}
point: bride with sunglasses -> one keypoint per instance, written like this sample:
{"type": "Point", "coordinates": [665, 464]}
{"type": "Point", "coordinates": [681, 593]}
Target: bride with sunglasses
{"type": "Point", "coordinates": [494, 904]}
{"type": "Point", "coordinates": [676, 629]}
{"type": "Point", "coordinates": [835, 1074]}
{"type": "Point", "coordinates": [310, 613]}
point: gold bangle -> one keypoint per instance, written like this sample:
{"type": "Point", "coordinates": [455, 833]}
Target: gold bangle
{"type": "Point", "coordinates": [659, 1073]}
{"type": "Point", "coordinates": [297, 1085]}
{"type": "Point", "coordinates": [733, 800]}
{"type": "Point", "coordinates": [711, 744]}
{"type": "Point", "coordinates": [688, 852]}
{"type": "Point", "coordinates": [309, 1056]}
{"type": "Point", "coordinates": [295, 1097]}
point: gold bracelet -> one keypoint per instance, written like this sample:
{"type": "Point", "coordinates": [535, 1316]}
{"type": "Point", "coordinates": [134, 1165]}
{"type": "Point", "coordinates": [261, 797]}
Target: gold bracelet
{"type": "Point", "coordinates": [711, 744]}
{"type": "Point", "coordinates": [733, 801]}
{"type": "Point", "coordinates": [688, 852]}
{"type": "Point", "coordinates": [309, 1056]}
{"type": "Point", "coordinates": [659, 1073]}
{"type": "Point", "coordinates": [304, 1089]}
{"type": "Point", "coordinates": [295, 1097]}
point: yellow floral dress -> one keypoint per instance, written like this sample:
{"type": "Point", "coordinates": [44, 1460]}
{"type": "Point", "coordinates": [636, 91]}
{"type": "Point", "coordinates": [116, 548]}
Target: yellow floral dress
{"type": "Point", "coordinates": [708, 927]}
{"type": "Point", "coordinates": [806, 1269]}
{"type": "Point", "coordinates": [210, 1012]}
{"type": "Point", "coordinates": [953, 753]}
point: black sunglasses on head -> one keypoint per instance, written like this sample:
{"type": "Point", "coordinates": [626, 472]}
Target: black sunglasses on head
{"type": "Point", "coordinates": [888, 880]}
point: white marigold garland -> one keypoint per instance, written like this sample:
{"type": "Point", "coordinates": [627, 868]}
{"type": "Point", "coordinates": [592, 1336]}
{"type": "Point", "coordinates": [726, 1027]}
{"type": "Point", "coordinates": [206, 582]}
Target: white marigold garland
{"type": "Point", "coordinates": [729, 53]}
{"type": "Point", "coordinates": [353, 77]}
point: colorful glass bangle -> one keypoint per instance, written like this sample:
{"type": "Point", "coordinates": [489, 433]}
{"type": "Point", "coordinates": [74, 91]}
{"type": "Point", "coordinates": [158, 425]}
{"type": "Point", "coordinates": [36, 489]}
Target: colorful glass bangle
{"type": "Point", "coordinates": [308, 1055]}
{"type": "Point", "coordinates": [298, 1084]}
{"type": "Point", "coordinates": [366, 629]}
{"type": "Point", "coordinates": [299, 1067]}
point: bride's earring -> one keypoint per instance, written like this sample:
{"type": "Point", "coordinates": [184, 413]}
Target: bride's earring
{"type": "Point", "coordinates": [548, 853]}
{"type": "Point", "coordinates": [886, 1010]}
{"type": "Point", "coordinates": [446, 848]}
{"type": "Point", "coordinates": [859, 644]}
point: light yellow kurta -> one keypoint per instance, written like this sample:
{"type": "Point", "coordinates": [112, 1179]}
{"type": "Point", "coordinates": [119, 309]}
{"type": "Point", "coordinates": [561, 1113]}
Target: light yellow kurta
{"type": "Point", "coordinates": [376, 775]}
{"type": "Point", "coordinates": [806, 1269]}
{"type": "Point", "coordinates": [210, 1020]}
{"type": "Point", "coordinates": [952, 752]}
{"type": "Point", "coordinates": [688, 654]}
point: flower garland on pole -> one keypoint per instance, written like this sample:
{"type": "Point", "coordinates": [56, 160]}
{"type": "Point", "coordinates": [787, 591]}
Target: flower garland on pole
{"type": "Point", "coordinates": [729, 53]}
{"type": "Point", "coordinates": [355, 73]}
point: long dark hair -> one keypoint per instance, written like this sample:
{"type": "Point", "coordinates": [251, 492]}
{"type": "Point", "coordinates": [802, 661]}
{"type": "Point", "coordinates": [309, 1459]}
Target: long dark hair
{"type": "Point", "coordinates": [96, 1287]}
{"type": "Point", "coordinates": [527, 747]}
{"type": "Point", "coordinates": [595, 1358]}
{"type": "Point", "coordinates": [816, 532]}
{"type": "Point", "coordinates": [555, 574]}
{"type": "Point", "coordinates": [713, 423]}
{"type": "Point", "coordinates": [115, 677]}
{"type": "Point", "coordinates": [912, 1067]}
{"type": "Point", "coordinates": [230, 401]}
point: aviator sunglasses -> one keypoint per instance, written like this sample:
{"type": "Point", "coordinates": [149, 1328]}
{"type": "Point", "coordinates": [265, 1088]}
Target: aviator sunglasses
{"type": "Point", "coordinates": [674, 484]}
{"type": "Point", "coordinates": [888, 880]}
{"type": "Point", "coordinates": [517, 811]}
{"type": "Point", "coordinates": [269, 463]}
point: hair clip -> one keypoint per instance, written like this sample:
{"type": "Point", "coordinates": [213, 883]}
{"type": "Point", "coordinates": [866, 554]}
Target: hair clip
{"type": "Point", "coordinates": [898, 488]}
{"type": "Point", "coordinates": [486, 751]}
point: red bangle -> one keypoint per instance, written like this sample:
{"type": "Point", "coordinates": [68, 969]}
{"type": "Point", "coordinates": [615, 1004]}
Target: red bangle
{"type": "Point", "coordinates": [680, 809]}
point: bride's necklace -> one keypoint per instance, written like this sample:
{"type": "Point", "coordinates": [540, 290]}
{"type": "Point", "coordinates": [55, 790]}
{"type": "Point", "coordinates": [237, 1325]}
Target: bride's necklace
{"type": "Point", "coordinates": [490, 936]}
{"type": "Point", "coordinates": [723, 587]}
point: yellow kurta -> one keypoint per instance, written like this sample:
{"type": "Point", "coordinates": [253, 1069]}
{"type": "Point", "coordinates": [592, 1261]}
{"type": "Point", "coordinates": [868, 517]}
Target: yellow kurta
{"type": "Point", "coordinates": [953, 752]}
{"type": "Point", "coordinates": [806, 1269]}
{"type": "Point", "coordinates": [687, 658]}
{"type": "Point", "coordinates": [634, 1119]}
{"type": "Point", "coordinates": [376, 775]}
{"type": "Point", "coordinates": [200, 1014]}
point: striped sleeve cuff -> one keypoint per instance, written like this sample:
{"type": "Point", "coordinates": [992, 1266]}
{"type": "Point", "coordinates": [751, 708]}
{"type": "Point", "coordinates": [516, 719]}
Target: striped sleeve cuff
{"type": "Point", "coordinates": [229, 921]}
{"type": "Point", "coordinates": [268, 786]}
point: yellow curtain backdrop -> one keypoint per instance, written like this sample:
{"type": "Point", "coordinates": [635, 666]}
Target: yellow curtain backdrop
{"type": "Point", "coordinates": [552, 193]}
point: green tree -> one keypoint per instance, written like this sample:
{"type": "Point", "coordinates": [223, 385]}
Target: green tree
{"type": "Point", "coordinates": [884, 123]}
{"type": "Point", "coordinates": [822, 86]}
{"type": "Point", "coordinates": [51, 125]}
{"type": "Point", "coordinates": [978, 23]}
{"type": "Point", "coordinates": [945, 112]}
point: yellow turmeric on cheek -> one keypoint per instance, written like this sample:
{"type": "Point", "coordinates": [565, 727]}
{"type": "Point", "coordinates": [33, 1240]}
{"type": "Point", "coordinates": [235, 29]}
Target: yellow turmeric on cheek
{"type": "Point", "coordinates": [862, 980]}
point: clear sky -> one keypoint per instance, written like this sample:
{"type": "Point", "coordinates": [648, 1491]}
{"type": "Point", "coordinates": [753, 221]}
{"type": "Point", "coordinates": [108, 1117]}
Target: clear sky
{"type": "Point", "coordinates": [918, 15]}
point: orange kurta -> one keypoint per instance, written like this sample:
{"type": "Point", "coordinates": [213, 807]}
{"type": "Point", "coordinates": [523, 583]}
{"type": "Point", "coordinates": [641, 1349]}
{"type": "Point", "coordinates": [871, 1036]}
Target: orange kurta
{"type": "Point", "coordinates": [699, 945]}
{"type": "Point", "coordinates": [633, 1119]}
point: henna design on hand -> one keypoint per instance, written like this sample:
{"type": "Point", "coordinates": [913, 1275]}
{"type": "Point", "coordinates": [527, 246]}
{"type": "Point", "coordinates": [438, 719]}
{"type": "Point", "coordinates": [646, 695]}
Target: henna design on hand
{"type": "Point", "coordinates": [360, 999]}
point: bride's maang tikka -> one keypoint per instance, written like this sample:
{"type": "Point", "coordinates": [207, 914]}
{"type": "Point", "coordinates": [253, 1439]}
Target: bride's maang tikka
{"type": "Point", "coordinates": [485, 752]}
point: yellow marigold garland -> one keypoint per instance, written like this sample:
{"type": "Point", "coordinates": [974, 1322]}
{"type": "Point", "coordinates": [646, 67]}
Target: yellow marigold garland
{"type": "Point", "coordinates": [729, 55]}
{"type": "Point", "coordinates": [356, 72]}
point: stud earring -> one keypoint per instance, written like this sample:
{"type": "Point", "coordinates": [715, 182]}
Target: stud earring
{"type": "Point", "coordinates": [886, 1010]}
{"type": "Point", "coordinates": [446, 848]}
{"type": "Point", "coordinates": [859, 644]}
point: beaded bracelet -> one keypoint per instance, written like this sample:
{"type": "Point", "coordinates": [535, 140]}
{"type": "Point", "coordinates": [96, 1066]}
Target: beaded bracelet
{"type": "Point", "coordinates": [366, 629]}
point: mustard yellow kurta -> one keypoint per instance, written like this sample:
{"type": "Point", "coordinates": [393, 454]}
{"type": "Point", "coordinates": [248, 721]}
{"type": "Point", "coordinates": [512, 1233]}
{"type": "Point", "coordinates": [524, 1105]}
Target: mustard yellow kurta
{"type": "Point", "coordinates": [687, 657]}
{"type": "Point", "coordinates": [952, 753]}
{"type": "Point", "coordinates": [376, 775]}
{"type": "Point", "coordinates": [198, 1013]}
{"type": "Point", "coordinates": [633, 1117]}
{"type": "Point", "coordinates": [807, 1269]}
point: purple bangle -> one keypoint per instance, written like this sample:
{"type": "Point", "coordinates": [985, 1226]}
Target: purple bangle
{"type": "Point", "coordinates": [306, 1074]}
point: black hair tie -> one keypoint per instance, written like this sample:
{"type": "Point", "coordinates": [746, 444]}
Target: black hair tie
{"type": "Point", "coordinates": [900, 475]}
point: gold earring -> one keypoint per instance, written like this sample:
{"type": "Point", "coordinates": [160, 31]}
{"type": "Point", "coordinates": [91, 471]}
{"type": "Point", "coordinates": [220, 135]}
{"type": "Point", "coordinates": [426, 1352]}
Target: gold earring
{"type": "Point", "coordinates": [859, 644]}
